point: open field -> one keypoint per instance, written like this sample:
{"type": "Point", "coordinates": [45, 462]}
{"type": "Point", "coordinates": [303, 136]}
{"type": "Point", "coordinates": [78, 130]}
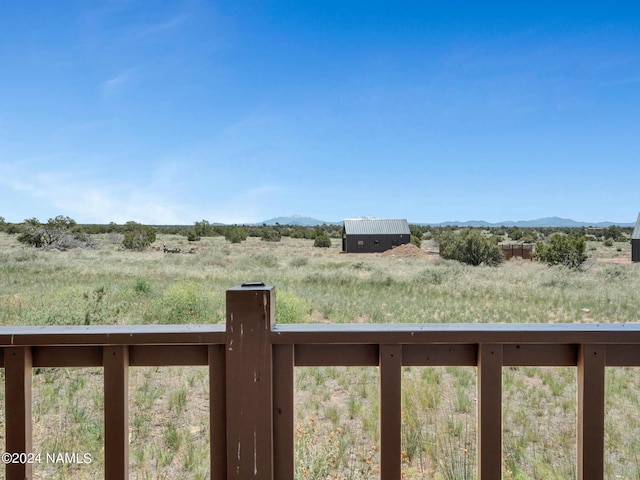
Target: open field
{"type": "Point", "coordinates": [337, 429]}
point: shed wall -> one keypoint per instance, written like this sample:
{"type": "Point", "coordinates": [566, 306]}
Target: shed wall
{"type": "Point", "coordinates": [373, 243]}
{"type": "Point", "coordinates": [635, 250]}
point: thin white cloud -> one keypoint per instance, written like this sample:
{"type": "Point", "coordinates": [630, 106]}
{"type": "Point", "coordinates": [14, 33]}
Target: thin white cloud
{"type": "Point", "coordinates": [163, 197]}
{"type": "Point", "coordinates": [116, 84]}
{"type": "Point", "coordinates": [162, 27]}
{"type": "Point", "coordinates": [115, 203]}
{"type": "Point", "coordinates": [89, 199]}
{"type": "Point", "coordinates": [246, 206]}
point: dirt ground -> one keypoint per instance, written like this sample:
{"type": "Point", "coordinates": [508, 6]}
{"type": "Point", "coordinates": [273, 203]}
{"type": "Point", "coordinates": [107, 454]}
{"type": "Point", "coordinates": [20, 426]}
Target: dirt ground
{"type": "Point", "coordinates": [407, 250]}
{"type": "Point", "coordinates": [614, 260]}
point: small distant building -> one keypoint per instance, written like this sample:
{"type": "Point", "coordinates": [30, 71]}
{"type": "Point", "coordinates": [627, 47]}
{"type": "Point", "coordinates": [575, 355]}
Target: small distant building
{"type": "Point", "coordinates": [371, 235]}
{"type": "Point", "coordinates": [635, 242]}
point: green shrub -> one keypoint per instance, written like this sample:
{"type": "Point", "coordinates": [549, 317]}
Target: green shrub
{"type": "Point", "coordinates": [567, 250]}
{"type": "Point", "coordinates": [270, 235]}
{"type": "Point", "coordinates": [138, 237]}
{"type": "Point", "coordinates": [416, 241]}
{"type": "Point", "coordinates": [12, 228]}
{"type": "Point", "coordinates": [322, 240]}
{"type": "Point", "coordinates": [142, 286]}
{"type": "Point", "coordinates": [59, 232]}
{"type": "Point", "coordinates": [192, 235]}
{"type": "Point", "coordinates": [183, 302]}
{"type": "Point", "coordinates": [236, 234]}
{"type": "Point", "coordinates": [608, 243]}
{"type": "Point", "coordinates": [614, 232]}
{"type": "Point", "coordinates": [290, 308]}
{"type": "Point", "coordinates": [203, 229]}
{"type": "Point", "coordinates": [470, 247]}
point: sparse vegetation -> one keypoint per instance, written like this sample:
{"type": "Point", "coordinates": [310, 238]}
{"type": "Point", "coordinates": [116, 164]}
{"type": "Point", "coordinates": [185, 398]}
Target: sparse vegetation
{"type": "Point", "coordinates": [236, 234]}
{"type": "Point", "coordinates": [137, 236]}
{"type": "Point", "coordinates": [471, 247]}
{"type": "Point", "coordinates": [322, 240]}
{"type": "Point", "coordinates": [567, 250]}
{"type": "Point", "coordinates": [169, 425]}
{"type": "Point", "coordinates": [270, 235]}
{"type": "Point", "coordinates": [59, 233]}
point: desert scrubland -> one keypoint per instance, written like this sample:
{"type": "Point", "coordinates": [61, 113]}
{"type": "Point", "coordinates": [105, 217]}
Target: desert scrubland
{"type": "Point", "coordinates": [336, 408]}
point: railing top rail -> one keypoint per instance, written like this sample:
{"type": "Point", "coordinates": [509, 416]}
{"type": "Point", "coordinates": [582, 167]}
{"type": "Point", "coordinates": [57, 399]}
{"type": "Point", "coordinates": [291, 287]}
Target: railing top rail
{"type": "Point", "coordinates": [557, 333]}
{"type": "Point", "coordinates": [409, 333]}
{"type": "Point", "coordinates": [112, 335]}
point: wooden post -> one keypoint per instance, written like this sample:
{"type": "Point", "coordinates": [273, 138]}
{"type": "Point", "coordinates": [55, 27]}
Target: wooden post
{"type": "Point", "coordinates": [591, 385]}
{"type": "Point", "coordinates": [17, 365]}
{"type": "Point", "coordinates": [116, 412]}
{"type": "Point", "coordinates": [217, 413]}
{"type": "Point", "coordinates": [489, 411]}
{"type": "Point", "coordinates": [283, 397]}
{"type": "Point", "coordinates": [250, 313]}
{"type": "Point", "coordinates": [390, 411]}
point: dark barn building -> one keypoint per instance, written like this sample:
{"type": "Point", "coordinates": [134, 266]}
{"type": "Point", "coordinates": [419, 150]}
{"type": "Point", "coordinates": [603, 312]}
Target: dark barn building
{"type": "Point", "coordinates": [374, 235]}
{"type": "Point", "coordinates": [635, 242]}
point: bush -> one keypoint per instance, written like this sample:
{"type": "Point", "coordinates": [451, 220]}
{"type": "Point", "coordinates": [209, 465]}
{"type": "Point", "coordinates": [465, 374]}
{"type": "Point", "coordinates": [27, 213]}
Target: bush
{"type": "Point", "coordinates": [142, 286]}
{"type": "Point", "coordinates": [192, 235]}
{"type": "Point", "coordinates": [32, 233]}
{"type": "Point", "coordinates": [567, 250]}
{"type": "Point", "coordinates": [138, 237]}
{"type": "Point", "coordinates": [183, 302]}
{"type": "Point", "coordinates": [59, 232]}
{"type": "Point", "coordinates": [203, 229]}
{"type": "Point", "coordinates": [270, 235]}
{"type": "Point", "coordinates": [12, 228]}
{"type": "Point", "coordinates": [470, 247]}
{"type": "Point", "coordinates": [290, 308]}
{"type": "Point", "coordinates": [322, 240]}
{"type": "Point", "coordinates": [236, 234]}
{"type": "Point", "coordinates": [614, 232]}
{"type": "Point", "coordinates": [416, 241]}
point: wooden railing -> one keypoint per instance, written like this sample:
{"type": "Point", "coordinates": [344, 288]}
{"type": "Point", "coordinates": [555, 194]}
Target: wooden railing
{"type": "Point", "coordinates": [251, 364]}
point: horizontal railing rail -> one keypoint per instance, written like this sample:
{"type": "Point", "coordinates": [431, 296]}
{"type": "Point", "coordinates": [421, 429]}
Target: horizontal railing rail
{"type": "Point", "coordinates": [251, 362]}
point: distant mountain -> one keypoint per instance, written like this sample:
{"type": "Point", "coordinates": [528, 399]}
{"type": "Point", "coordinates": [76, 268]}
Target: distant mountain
{"type": "Point", "coordinates": [549, 222]}
{"type": "Point", "coordinates": [295, 220]}
{"type": "Point", "coordinates": [553, 222]}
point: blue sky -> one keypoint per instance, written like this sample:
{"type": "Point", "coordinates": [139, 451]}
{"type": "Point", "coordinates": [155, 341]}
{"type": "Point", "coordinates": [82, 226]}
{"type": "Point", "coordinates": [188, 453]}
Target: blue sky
{"type": "Point", "coordinates": [237, 111]}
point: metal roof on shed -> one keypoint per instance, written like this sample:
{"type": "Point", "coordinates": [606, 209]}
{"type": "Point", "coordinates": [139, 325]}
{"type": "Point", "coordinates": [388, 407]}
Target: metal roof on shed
{"type": "Point", "coordinates": [636, 231]}
{"type": "Point", "coordinates": [376, 226]}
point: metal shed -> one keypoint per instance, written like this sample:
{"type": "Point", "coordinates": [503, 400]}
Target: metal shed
{"type": "Point", "coordinates": [635, 242]}
{"type": "Point", "coordinates": [370, 235]}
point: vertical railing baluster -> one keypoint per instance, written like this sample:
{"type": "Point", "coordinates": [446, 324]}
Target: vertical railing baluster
{"type": "Point", "coordinates": [591, 389]}
{"type": "Point", "coordinates": [489, 411]}
{"type": "Point", "coordinates": [390, 412]}
{"type": "Point", "coordinates": [217, 413]}
{"type": "Point", "coordinates": [249, 377]}
{"type": "Point", "coordinates": [18, 379]}
{"type": "Point", "coordinates": [116, 412]}
{"type": "Point", "coordinates": [283, 410]}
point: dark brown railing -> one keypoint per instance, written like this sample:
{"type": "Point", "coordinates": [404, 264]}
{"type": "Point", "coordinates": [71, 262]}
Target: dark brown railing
{"type": "Point", "coordinates": [251, 364]}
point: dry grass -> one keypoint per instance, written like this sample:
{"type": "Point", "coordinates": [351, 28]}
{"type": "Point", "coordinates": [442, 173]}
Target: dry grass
{"type": "Point", "coordinates": [336, 408]}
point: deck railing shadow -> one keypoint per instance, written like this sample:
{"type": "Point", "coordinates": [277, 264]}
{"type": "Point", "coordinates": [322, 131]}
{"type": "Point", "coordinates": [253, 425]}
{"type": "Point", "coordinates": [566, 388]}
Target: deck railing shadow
{"type": "Point", "coordinates": [251, 362]}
